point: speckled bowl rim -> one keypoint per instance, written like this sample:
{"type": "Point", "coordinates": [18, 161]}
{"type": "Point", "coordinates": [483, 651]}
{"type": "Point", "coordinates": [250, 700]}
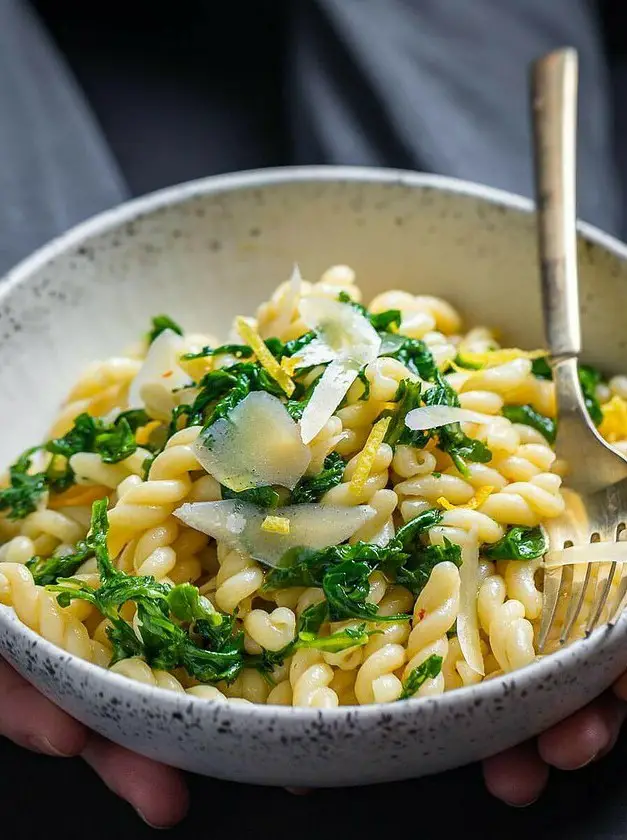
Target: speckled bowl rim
{"type": "Point", "coordinates": [134, 209]}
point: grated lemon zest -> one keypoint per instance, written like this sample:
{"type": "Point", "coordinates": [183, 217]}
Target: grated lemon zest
{"type": "Point", "coordinates": [289, 364]}
{"type": "Point", "coordinates": [264, 356]}
{"type": "Point", "coordinates": [276, 525]}
{"type": "Point", "coordinates": [472, 504]}
{"type": "Point", "coordinates": [368, 454]}
{"type": "Point", "coordinates": [78, 496]}
{"type": "Point", "coordinates": [142, 435]}
{"type": "Point", "coordinates": [492, 358]}
{"type": "Point", "coordinates": [614, 424]}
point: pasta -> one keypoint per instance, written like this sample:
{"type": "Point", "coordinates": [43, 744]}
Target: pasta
{"type": "Point", "coordinates": [148, 534]}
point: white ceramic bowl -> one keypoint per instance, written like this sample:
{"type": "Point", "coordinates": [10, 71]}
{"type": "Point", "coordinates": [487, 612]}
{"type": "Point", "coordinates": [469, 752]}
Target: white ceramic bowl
{"type": "Point", "coordinates": [205, 251]}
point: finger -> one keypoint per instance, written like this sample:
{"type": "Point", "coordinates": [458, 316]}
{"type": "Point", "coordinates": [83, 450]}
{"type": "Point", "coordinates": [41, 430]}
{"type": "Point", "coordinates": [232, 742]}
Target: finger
{"type": "Point", "coordinates": [32, 721]}
{"type": "Point", "coordinates": [586, 735]}
{"type": "Point", "coordinates": [620, 687]}
{"type": "Point", "coordinates": [158, 793]}
{"type": "Point", "coordinates": [517, 776]}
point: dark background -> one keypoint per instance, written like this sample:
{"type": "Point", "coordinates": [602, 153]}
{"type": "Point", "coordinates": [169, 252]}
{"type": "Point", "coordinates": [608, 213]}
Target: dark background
{"type": "Point", "coordinates": [42, 794]}
{"type": "Point", "coordinates": [175, 104]}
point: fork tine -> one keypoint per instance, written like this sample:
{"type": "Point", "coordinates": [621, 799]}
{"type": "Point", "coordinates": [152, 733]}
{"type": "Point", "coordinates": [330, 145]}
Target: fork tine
{"type": "Point", "coordinates": [619, 603]}
{"type": "Point", "coordinates": [552, 587]}
{"type": "Point", "coordinates": [576, 601]}
{"type": "Point", "coordinates": [601, 600]}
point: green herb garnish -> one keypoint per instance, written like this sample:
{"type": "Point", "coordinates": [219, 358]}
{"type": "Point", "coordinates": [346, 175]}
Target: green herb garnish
{"type": "Point", "coordinates": [530, 417]}
{"type": "Point", "coordinates": [429, 670]}
{"type": "Point", "coordinates": [160, 323]}
{"type": "Point", "coordinates": [519, 543]}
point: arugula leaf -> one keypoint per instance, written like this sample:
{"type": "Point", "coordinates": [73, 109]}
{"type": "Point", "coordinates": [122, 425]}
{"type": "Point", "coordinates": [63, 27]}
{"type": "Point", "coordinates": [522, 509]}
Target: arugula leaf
{"type": "Point", "coordinates": [414, 573]}
{"type": "Point", "coordinates": [220, 391]}
{"type": "Point", "coordinates": [313, 617]}
{"type": "Point", "coordinates": [460, 361]}
{"type": "Point", "coordinates": [519, 543]}
{"type": "Point", "coordinates": [266, 497]}
{"type": "Point", "coordinates": [161, 323]}
{"type": "Point", "coordinates": [48, 570]}
{"type": "Point", "coordinates": [365, 382]}
{"type": "Point", "coordinates": [381, 321]}
{"type": "Point", "coordinates": [163, 644]}
{"type": "Point", "coordinates": [346, 588]}
{"type": "Point", "coordinates": [240, 351]}
{"type": "Point", "coordinates": [429, 669]}
{"type": "Point", "coordinates": [527, 415]}
{"type": "Point", "coordinates": [307, 637]}
{"type": "Point", "coordinates": [416, 357]}
{"type": "Point", "coordinates": [451, 437]}
{"type": "Point", "coordinates": [336, 642]}
{"type": "Point", "coordinates": [24, 492]}
{"type": "Point", "coordinates": [541, 368]}
{"type": "Point", "coordinates": [311, 488]}
{"type": "Point", "coordinates": [589, 378]}
{"type": "Point", "coordinates": [187, 604]}
{"type": "Point", "coordinates": [407, 397]}
{"type": "Point", "coordinates": [296, 405]}
{"type": "Point", "coordinates": [407, 535]}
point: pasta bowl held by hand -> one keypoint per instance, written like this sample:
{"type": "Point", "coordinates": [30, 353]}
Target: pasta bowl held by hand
{"type": "Point", "coordinates": [404, 445]}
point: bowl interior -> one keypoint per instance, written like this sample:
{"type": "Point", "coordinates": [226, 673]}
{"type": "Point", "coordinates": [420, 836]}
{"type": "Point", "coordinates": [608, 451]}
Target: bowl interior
{"type": "Point", "coordinates": [215, 248]}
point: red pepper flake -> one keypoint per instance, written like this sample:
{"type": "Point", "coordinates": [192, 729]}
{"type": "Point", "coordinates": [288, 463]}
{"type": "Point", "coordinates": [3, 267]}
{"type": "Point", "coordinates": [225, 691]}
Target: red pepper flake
{"type": "Point", "coordinates": [167, 374]}
{"type": "Point", "coordinates": [421, 614]}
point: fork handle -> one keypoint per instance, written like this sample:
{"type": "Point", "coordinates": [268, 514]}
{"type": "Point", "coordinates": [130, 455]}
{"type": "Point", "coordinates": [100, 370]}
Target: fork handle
{"type": "Point", "coordinates": [554, 102]}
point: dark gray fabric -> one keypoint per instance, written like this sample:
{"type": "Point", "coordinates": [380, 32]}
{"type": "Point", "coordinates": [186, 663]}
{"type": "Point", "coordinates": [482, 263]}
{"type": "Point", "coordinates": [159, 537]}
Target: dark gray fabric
{"type": "Point", "coordinates": [441, 85]}
{"type": "Point", "coordinates": [432, 85]}
{"type": "Point", "coordinates": [55, 169]}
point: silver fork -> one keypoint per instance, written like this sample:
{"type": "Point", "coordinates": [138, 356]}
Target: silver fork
{"type": "Point", "coordinates": [597, 474]}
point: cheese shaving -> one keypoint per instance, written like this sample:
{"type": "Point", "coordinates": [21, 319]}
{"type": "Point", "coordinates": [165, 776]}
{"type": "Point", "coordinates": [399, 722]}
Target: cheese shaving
{"type": "Point", "coordinates": [493, 358]}
{"type": "Point", "coordinates": [276, 525]}
{"type": "Point", "coordinates": [264, 356]}
{"type": "Point", "coordinates": [368, 454]}
{"type": "Point", "coordinates": [614, 424]}
{"type": "Point", "coordinates": [599, 552]}
{"type": "Point", "coordinates": [477, 500]}
{"type": "Point", "coordinates": [467, 618]}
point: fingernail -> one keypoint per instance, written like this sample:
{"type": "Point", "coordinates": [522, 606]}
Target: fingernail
{"type": "Point", "coordinates": [43, 745]}
{"type": "Point", "coordinates": [523, 804]}
{"type": "Point", "coordinates": [152, 825]}
{"type": "Point", "coordinates": [588, 761]}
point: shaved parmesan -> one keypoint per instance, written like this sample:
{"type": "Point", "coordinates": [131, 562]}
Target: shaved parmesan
{"type": "Point", "coordinates": [598, 552]}
{"type": "Point", "coordinates": [467, 618]}
{"type": "Point", "coordinates": [317, 352]}
{"type": "Point", "coordinates": [160, 368]}
{"type": "Point", "coordinates": [239, 524]}
{"type": "Point", "coordinates": [433, 416]}
{"type": "Point", "coordinates": [256, 445]}
{"type": "Point", "coordinates": [347, 339]}
{"type": "Point", "coordinates": [287, 305]}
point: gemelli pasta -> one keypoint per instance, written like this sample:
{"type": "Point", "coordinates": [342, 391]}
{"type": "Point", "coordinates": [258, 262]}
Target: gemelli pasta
{"type": "Point", "coordinates": [340, 505]}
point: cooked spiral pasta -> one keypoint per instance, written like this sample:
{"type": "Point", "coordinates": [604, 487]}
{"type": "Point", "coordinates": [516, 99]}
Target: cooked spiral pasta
{"type": "Point", "coordinates": [384, 564]}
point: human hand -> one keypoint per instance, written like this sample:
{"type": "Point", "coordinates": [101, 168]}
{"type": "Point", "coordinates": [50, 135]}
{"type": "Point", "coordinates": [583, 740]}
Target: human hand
{"type": "Point", "coordinates": [158, 793]}
{"type": "Point", "coordinates": [518, 776]}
